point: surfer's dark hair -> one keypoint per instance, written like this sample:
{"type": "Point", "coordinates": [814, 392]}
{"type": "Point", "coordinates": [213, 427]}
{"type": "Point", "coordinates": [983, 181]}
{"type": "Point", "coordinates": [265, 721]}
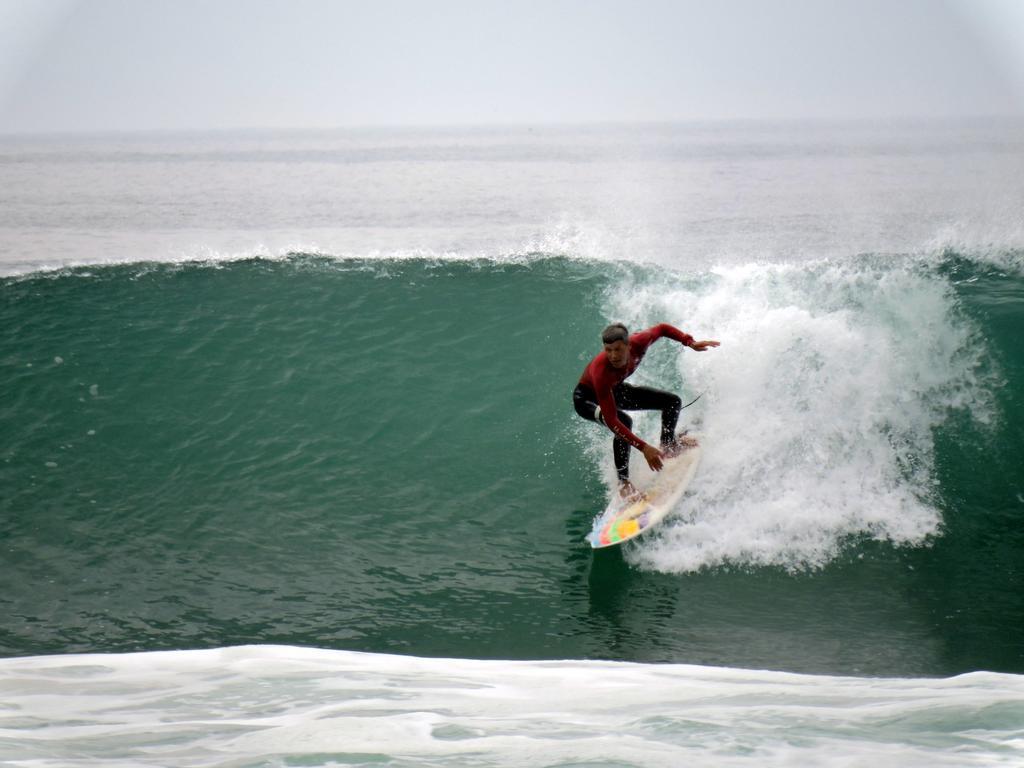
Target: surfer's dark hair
{"type": "Point", "coordinates": [615, 332]}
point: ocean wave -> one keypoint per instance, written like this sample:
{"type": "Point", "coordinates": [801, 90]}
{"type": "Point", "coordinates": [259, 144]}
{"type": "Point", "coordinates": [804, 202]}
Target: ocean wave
{"type": "Point", "coordinates": [378, 442]}
{"type": "Point", "coordinates": [567, 239]}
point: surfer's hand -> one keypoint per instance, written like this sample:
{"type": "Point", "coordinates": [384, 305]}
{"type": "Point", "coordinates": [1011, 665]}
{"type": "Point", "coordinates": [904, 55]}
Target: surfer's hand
{"type": "Point", "coordinates": [700, 346]}
{"type": "Point", "coordinates": [653, 456]}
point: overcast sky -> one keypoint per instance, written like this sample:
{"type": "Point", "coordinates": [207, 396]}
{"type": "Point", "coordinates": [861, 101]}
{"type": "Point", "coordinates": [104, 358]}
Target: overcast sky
{"type": "Point", "coordinates": [198, 64]}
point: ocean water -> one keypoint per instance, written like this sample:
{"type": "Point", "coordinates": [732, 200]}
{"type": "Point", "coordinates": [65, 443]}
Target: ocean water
{"type": "Point", "coordinates": [290, 473]}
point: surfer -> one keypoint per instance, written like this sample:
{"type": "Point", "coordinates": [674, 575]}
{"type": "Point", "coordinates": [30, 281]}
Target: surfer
{"type": "Point", "coordinates": [603, 396]}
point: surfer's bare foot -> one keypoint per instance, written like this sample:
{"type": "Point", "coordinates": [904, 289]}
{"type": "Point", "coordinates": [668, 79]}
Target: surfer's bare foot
{"type": "Point", "coordinates": [677, 446]}
{"type": "Point", "coordinates": [629, 492]}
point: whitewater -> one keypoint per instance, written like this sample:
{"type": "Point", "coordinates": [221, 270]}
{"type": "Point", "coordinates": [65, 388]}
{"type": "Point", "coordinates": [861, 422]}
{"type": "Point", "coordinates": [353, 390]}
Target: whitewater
{"type": "Point", "coordinates": [280, 706]}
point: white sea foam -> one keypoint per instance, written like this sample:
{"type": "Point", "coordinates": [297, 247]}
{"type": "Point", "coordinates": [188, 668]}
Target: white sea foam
{"type": "Point", "coordinates": [820, 406]}
{"type": "Point", "coordinates": [274, 705]}
{"type": "Point", "coordinates": [216, 249]}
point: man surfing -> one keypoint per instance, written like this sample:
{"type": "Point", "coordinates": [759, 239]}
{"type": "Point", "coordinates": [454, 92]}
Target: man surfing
{"type": "Point", "coordinates": [603, 396]}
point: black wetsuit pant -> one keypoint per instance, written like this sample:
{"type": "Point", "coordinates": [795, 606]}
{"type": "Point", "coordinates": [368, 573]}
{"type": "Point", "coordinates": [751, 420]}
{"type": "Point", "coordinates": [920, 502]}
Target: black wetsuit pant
{"type": "Point", "coordinates": [630, 398]}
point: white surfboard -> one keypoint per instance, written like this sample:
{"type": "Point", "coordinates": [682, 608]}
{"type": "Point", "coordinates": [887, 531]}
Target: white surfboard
{"type": "Point", "coordinates": [625, 520]}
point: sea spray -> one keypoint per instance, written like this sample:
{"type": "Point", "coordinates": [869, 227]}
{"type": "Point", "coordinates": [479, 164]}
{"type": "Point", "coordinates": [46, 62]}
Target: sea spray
{"type": "Point", "coordinates": [821, 404]}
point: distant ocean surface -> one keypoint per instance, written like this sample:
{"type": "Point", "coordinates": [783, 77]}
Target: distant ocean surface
{"type": "Point", "coordinates": [290, 475]}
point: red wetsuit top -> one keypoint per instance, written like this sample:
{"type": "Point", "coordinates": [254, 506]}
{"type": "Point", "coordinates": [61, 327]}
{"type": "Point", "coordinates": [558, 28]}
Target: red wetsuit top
{"type": "Point", "coordinates": [601, 376]}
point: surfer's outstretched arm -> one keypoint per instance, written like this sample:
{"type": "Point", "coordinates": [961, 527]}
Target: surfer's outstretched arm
{"type": "Point", "coordinates": [664, 330]}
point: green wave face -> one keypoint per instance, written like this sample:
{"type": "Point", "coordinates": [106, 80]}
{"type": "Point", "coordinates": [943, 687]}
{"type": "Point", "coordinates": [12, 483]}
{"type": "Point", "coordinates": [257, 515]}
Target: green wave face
{"type": "Point", "coordinates": [382, 455]}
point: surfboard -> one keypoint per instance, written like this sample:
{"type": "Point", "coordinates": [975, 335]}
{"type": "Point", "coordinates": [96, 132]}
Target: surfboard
{"type": "Point", "coordinates": [625, 520]}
